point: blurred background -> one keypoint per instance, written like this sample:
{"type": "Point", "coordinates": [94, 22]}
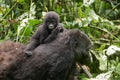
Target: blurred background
{"type": "Point", "coordinates": [99, 19]}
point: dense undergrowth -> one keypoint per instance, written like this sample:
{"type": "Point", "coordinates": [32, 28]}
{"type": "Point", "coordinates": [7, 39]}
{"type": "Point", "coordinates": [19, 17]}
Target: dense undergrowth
{"type": "Point", "coordinates": [99, 19]}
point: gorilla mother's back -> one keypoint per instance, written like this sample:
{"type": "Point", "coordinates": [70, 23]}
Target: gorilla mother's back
{"type": "Point", "coordinates": [56, 60]}
{"type": "Point", "coordinates": [51, 61]}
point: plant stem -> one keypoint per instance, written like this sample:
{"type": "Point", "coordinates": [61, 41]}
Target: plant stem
{"type": "Point", "coordinates": [9, 10]}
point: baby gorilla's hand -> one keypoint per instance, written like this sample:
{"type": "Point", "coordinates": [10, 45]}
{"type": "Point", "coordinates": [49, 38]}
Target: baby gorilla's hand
{"type": "Point", "coordinates": [55, 31]}
{"type": "Point", "coordinates": [53, 35]}
{"type": "Point", "coordinates": [60, 27]}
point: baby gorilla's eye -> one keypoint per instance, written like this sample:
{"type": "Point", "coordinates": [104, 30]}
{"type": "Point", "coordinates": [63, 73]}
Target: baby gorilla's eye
{"type": "Point", "coordinates": [54, 23]}
{"type": "Point", "coordinates": [48, 23]}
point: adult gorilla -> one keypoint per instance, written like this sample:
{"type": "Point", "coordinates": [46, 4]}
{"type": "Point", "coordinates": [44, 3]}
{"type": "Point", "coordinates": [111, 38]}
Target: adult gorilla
{"type": "Point", "coordinates": [56, 60]}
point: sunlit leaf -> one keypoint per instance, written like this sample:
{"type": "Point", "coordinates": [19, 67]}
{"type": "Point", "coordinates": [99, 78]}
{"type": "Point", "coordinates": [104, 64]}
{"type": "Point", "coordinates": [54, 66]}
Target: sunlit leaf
{"type": "Point", "coordinates": [112, 50]}
{"type": "Point", "coordinates": [87, 2]}
{"type": "Point", "coordinates": [20, 1]}
{"type": "Point", "coordinates": [103, 76]}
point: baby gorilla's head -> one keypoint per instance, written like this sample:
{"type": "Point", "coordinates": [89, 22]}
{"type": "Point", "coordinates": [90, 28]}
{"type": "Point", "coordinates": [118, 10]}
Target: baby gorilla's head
{"type": "Point", "coordinates": [51, 20]}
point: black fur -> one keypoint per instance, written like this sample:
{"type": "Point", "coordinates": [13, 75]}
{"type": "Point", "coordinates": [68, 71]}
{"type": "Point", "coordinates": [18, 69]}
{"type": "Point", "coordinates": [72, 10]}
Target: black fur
{"type": "Point", "coordinates": [51, 61]}
{"type": "Point", "coordinates": [56, 60]}
{"type": "Point", "coordinates": [46, 32]}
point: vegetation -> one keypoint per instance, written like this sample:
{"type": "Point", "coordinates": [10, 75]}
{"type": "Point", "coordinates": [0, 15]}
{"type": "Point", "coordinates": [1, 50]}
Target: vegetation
{"type": "Point", "coordinates": [99, 19]}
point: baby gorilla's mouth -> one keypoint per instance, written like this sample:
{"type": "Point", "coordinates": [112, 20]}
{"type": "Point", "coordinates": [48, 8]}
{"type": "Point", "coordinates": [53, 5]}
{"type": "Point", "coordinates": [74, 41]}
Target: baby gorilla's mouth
{"type": "Point", "coordinates": [51, 26]}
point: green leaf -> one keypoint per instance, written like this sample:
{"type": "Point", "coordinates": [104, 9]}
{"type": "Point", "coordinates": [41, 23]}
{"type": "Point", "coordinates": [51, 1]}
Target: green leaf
{"type": "Point", "coordinates": [33, 22]}
{"type": "Point", "coordinates": [118, 69]}
{"type": "Point", "coordinates": [102, 47]}
{"type": "Point", "coordinates": [19, 1]}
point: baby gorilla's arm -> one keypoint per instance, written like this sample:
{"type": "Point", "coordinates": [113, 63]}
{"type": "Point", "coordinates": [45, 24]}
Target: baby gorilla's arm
{"type": "Point", "coordinates": [52, 36]}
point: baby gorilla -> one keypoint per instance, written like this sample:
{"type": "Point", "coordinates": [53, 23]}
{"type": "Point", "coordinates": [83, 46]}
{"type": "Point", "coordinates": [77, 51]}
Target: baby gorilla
{"type": "Point", "coordinates": [46, 32]}
{"type": "Point", "coordinates": [56, 60]}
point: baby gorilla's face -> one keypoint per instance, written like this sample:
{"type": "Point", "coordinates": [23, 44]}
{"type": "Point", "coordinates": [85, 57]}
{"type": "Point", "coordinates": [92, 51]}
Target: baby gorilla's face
{"type": "Point", "coordinates": [51, 24]}
{"type": "Point", "coordinates": [51, 20]}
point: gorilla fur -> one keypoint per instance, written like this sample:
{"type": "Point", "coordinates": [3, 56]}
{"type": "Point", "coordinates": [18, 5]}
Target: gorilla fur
{"type": "Point", "coordinates": [11, 54]}
{"type": "Point", "coordinates": [52, 61]}
{"type": "Point", "coordinates": [50, 27]}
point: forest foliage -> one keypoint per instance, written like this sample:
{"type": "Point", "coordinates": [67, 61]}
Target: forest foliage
{"type": "Point", "coordinates": [99, 19]}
